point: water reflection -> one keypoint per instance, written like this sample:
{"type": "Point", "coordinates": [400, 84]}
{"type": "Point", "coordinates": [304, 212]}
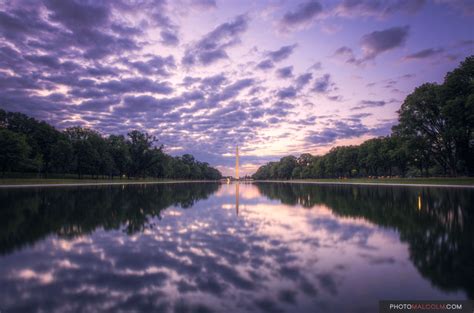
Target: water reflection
{"type": "Point", "coordinates": [440, 233]}
{"type": "Point", "coordinates": [293, 248]}
{"type": "Point", "coordinates": [237, 193]}
{"type": "Point", "coordinates": [27, 215]}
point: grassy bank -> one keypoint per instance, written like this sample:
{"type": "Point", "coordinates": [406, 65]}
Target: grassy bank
{"type": "Point", "coordinates": [459, 181]}
{"type": "Point", "coordinates": [71, 181]}
{"type": "Point", "coordinates": [464, 181]}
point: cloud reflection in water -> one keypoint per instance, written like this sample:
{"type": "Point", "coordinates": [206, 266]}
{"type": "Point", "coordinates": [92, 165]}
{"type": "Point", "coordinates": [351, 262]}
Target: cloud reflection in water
{"type": "Point", "coordinates": [272, 257]}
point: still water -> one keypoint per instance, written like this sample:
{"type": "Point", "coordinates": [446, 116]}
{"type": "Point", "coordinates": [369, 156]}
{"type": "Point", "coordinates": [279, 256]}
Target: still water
{"type": "Point", "coordinates": [206, 247]}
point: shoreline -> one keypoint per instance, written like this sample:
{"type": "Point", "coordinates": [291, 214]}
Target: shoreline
{"type": "Point", "coordinates": [111, 183]}
{"type": "Point", "coordinates": [408, 184]}
{"type": "Point", "coordinates": [19, 183]}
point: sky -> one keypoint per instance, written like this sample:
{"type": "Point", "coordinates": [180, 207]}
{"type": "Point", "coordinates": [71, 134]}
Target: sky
{"type": "Point", "coordinates": [273, 77]}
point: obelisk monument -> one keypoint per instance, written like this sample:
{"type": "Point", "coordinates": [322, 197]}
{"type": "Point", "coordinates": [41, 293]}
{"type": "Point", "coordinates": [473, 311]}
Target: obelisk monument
{"type": "Point", "coordinates": [237, 163]}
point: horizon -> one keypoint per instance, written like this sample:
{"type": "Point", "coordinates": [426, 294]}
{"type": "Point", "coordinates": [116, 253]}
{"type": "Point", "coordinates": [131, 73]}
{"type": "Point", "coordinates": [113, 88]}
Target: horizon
{"type": "Point", "coordinates": [274, 78]}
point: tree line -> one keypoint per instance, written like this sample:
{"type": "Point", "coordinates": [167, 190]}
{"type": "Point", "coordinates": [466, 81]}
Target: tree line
{"type": "Point", "coordinates": [31, 146]}
{"type": "Point", "coordinates": [434, 137]}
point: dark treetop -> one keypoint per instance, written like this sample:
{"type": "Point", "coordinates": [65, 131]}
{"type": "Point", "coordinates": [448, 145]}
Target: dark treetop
{"type": "Point", "coordinates": [30, 146]}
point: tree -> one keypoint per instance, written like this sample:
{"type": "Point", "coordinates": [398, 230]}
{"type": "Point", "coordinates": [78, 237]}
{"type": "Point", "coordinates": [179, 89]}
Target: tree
{"type": "Point", "coordinates": [85, 154]}
{"type": "Point", "coordinates": [40, 136]}
{"type": "Point", "coordinates": [180, 168]}
{"type": "Point", "coordinates": [420, 117]}
{"type": "Point", "coordinates": [120, 153]}
{"type": "Point", "coordinates": [62, 156]}
{"type": "Point", "coordinates": [442, 116]}
{"type": "Point", "coordinates": [140, 145]}
{"type": "Point", "coordinates": [13, 150]}
{"type": "Point", "coordinates": [458, 111]}
{"type": "Point", "coordinates": [285, 167]}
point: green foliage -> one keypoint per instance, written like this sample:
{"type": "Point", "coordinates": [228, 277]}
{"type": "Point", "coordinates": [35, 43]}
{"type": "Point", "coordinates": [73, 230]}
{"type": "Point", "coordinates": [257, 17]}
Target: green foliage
{"type": "Point", "coordinates": [27, 145]}
{"type": "Point", "coordinates": [441, 119]}
{"type": "Point", "coordinates": [13, 150]}
{"type": "Point", "coordinates": [385, 156]}
{"type": "Point", "coordinates": [435, 136]}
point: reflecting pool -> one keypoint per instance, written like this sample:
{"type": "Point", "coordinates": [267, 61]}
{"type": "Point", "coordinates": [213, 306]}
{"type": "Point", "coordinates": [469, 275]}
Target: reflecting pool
{"type": "Point", "coordinates": [207, 247]}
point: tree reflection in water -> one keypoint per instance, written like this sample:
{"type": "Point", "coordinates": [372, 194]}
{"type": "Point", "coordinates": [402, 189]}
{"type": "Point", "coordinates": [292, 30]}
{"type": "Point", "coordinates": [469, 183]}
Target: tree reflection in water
{"type": "Point", "coordinates": [292, 247]}
{"type": "Point", "coordinates": [437, 223]}
{"type": "Point", "coordinates": [28, 215]}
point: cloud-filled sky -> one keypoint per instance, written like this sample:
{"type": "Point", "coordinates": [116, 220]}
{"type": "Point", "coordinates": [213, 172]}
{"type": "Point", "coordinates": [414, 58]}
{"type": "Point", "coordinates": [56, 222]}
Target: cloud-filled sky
{"type": "Point", "coordinates": [275, 78]}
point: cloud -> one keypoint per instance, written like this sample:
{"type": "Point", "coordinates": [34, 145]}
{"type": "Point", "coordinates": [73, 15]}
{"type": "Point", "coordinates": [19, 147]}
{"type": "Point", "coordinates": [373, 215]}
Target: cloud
{"type": "Point", "coordinates": [347, 54]}
{"type": "Point", "coordinates": [78, 16]}
{"type": "Point", "coordinates": [375, 43]}
{"type": "Point", "coordinates": [138, 84]}
{"type": "Point", "coordinates": [466, 43]}
{"type": "Point", "coordinates": [282, 53]}
{"type": "Point", "coordinates": [276, 56]}
{"type": "Point", "coordinates": [204, 4]}
{"type": "Point", "coordinates": [232, 90]}
{"type": "Point", "coordinates": [322, 84]}
{"type": "Point", "coordinates": [265, 64]}
{"type": "Point", "coordinates": [424, 54]}
{"type": "Point", "coordinates": [378, 42]}
{"type": "Point", "coordinates": [285, 72]}
{"type": "Point", "coordinates": [279, 109]}
{"type": "Point", "coordinates": [369, 104]}
{"type": "Point", "coordinates": [156, 65]}
{"type": "Point", "coordinates": [301, 16]}
{"type": "Point", "coordinates": [288, 92]}
{"type": "Point", "coordinates": [86, 21]}
{"type": "Point", "coordinates": [99, 105]}
{"type": "Point", "coordinates": [316, 66]}
{"type": "Point", "coordinates": [169, 38]}
{"type": "Point", "coordinates": [464, 6]}
{"type": "Point", "coordinates": [342, 129]}
{"type": "Point", "coordinates": [354, 8]}
{"type": "Point", "coordinates": [212, 46]}
{"type": "Point", "coordinates": [148, 104]}
{"type": "Point", "coordinates": [344, 51]}
{"type": "Point", "coordinates": [213, 82]}
{"type": "Point", "coordinates": [346, 128]}
{"type": "Point", "coordinates": [160, 17]}
{"type": "Point", "coordinates": [303, 79]}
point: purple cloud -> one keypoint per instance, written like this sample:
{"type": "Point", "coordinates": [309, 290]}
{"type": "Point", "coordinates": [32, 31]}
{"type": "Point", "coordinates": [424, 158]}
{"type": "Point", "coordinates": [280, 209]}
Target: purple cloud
{"type": "Point", "coordinates": [375, 43]}
{"type": "Point", "coordinates": [282, 53]}
{"type": "Point", "coordinates": [338, 130]}
{"type": "Point", "coordinates": [302, 15]}
{"type": "Point", "coordinates": [288, 92]}
{"type": "Point", "coordinates": [303, 79]}
{"type": "Point", "coordinates": [424, 54]}
{"type": "Point", "coordinates": [211, 47]}
{"type": "Point", "coordinates": [378, 42]}
{"type": "Point", "coordinates": [466, 7]}
{"type": "Point", "coordinates": [265, 65]}
{"type": "Point", "coordinates": [369, 104]}
{"type": "Point", "coordinates": [285, 72]}
{"type": "Point", "coordinates": [377, 8]}
{"type": "Point", "coordinates": [322, 84]}
{"type": "Point", "coordinates": [156, 65]}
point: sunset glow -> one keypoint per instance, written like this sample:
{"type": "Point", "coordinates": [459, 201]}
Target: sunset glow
{"type": "Point", "coordinates": [273, 77]}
